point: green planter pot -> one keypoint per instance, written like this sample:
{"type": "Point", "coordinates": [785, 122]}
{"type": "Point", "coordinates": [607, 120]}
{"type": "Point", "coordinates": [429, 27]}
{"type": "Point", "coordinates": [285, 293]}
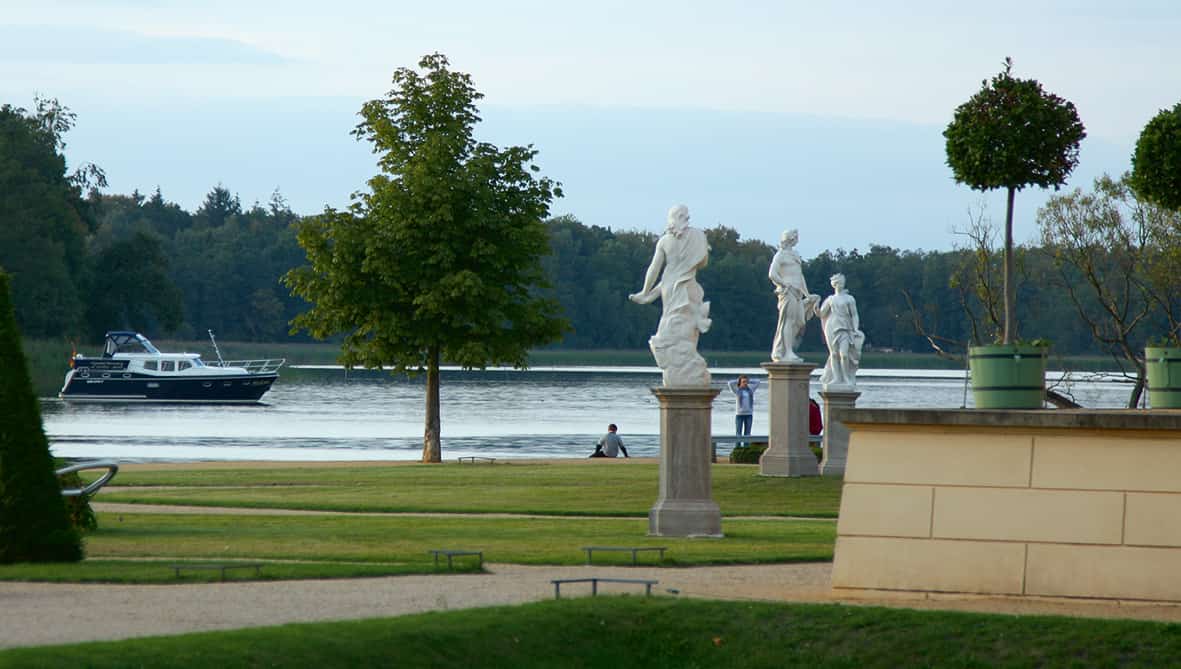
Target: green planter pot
{"type": "Point", "coordinates": [1164, 376]}
{"type": "Point", "coordinates": [1008, 376]}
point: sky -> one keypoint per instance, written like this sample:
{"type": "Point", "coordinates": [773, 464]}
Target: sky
{"type": "Point", "coordinates": [761, 116]}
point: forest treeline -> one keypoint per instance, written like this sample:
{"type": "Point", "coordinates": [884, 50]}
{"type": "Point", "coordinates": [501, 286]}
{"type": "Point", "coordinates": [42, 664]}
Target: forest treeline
{"type": "Point", "coordinates": [83, 262]}
{"type": "Point", "coordinates": [142, 262]}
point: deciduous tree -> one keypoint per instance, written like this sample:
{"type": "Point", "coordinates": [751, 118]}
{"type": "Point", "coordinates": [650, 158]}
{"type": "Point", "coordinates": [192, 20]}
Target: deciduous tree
{"type": "Point", "coordinates": [1102, 243]}
{"type": "Point", "coordinates": [131, 288]}
{"type": "Point", "coordinates": [441, 258]}
{"type": "Point", "coordinates": [43, 218]}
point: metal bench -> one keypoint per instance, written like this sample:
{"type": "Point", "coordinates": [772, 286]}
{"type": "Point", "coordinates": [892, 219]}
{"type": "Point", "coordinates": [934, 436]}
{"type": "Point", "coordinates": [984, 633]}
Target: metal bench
{"type": "Point", "coordinates": [453, 553]}
{"type": "Point", "coordinates": [624, 549]}
{"type": "Point", "coordinates": [222, 567]}
{"type": "Point", "coordinates": [475, 458]}
{"type": "Point", "coordinates": [596, 580]}
{"type": "Point", "coordinates": [111, 466]}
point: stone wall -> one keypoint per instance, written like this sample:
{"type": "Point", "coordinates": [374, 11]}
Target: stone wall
{"type": "Point", "coordinates": [1048, 503]}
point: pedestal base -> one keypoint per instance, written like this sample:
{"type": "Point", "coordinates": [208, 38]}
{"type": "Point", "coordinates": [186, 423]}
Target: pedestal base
{"type": "Point", "coordinates": [836, 435]}
{"type": "Point", "coordinates": [685, 518]}
{"type": "Point", "coordinates": [684, 507]}
{"type": "Point", "coordinates": [787, 451]}
{"type": "Point", "coordinates": [781, 464]}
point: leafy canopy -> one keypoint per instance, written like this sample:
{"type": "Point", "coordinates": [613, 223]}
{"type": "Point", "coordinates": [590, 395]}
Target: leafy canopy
{"type": "Point", "coordinates": [1156, 163]}
{"type": "Point", "coordinates": [443, 254]}
{"type": "Point", "coordinates": [43, 219]}
{"type": "Point", "coordinates": [1012, 134]}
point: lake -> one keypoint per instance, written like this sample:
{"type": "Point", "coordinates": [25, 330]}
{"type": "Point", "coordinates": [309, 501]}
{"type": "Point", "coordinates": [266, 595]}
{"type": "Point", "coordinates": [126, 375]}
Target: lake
{"type": "Point", "coordinates": [320, 413]}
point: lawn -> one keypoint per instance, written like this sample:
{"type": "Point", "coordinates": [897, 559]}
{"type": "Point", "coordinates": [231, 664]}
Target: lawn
{"type": "Point", "coordinates": [406, 539]}
{"type": "Point", "coordinates": [617, 488]}
{"type": "Point", "coordinates": [659, 632]}
{"type": "Point", "coordinates": [442, 506]}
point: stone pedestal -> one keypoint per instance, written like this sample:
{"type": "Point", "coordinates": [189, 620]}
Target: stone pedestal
{"type": "Point", "coordinates": [787, 451]}
{"type": "Point", "coordinates": [836, 435]}
{"type": "Point", "coordinates": [685, 506]}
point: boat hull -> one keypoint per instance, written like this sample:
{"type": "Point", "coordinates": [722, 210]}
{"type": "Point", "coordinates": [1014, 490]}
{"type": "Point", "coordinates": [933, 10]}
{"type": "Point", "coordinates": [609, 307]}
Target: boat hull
{"type": "Point", "coordinates": [241, 389]}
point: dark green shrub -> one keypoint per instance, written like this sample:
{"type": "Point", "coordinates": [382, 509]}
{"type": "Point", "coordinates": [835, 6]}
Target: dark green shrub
{"type": "Point", "coordinates": [34, 525]}
{"type": "Point", "coordinates": [750, 454]}
{"type": "Point", "coordinates": [747, 454]}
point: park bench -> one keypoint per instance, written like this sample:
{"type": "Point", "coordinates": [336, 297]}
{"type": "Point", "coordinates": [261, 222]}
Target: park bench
{"type": "Point", "coordinates": [632, 549]}
{"type": "Point", "coordinates": [473, 459]}
{"type": "Point", "coordinates": [813, 439]}
{"type": "Point", "coordinates": [222, 567]}
{"type": "Point", "coordinates": [111, 466]}
{"type": "Point", "coordinates": [596, 580]}
{"type": "Point", "coordinates": [454, 553]}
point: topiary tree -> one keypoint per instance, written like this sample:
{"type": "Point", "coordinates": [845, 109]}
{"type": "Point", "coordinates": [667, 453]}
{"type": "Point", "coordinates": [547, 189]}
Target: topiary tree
{"type": "Point", "coordinates": [1010, 135]}
{"type": "Point", "coordinates": [34, 526]}
{"type": "Point", "coordinates": [1156, 163]}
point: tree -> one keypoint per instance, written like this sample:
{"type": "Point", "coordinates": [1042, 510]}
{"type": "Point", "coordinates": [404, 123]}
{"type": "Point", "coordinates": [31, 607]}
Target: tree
{"type": "Point", "coordinates": [1012, 134]}
{"type": "Point", "coordinates": [131, 288]}
{"type": "Point", "coordinates": [1156, 163]}
{"type": "Point", "coordinates": [43, 219]}
{"type": "Point", "coordinates": [34, 525]}
{"type": "Point", "coordinates": [1102, 244]}
{"type": "Point", "coordinates": [219, 206]}
{"type": "Point", "coordinates": [441, 258]}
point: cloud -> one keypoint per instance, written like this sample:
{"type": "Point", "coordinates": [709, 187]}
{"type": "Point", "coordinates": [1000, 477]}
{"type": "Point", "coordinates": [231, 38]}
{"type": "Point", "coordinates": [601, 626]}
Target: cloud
{"type": "Point", "coordinates": [101, 46]}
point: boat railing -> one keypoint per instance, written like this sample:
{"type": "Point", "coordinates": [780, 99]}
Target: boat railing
{"type": "Point", "coordinates": [252, 366]}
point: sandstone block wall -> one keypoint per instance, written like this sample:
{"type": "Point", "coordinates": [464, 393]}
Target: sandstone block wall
{"type": "Point", "coordinates": [982, 505]}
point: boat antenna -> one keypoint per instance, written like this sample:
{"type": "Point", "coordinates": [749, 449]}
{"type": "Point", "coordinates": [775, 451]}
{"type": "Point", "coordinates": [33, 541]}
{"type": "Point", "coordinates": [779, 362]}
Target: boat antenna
{"type": "Point", "coordinates": [215, 349]}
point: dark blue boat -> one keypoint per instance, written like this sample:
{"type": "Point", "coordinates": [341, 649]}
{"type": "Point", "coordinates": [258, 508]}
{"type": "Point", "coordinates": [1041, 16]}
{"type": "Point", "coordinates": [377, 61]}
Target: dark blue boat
{"type": "Point", "coordinates": [131, 369]}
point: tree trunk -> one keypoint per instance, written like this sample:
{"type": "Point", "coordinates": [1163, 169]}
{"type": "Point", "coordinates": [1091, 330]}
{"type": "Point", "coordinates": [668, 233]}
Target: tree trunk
{"type": "Point", "coordinates": [431, 450]}
{"type": "Point", "coordinates": [1010, 287]}
{"type": "Point", "coordinates": [1141, 382]}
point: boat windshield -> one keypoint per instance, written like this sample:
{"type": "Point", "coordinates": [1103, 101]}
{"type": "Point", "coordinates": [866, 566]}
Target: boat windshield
{"type": "Point", "coordinates": [127, 342]}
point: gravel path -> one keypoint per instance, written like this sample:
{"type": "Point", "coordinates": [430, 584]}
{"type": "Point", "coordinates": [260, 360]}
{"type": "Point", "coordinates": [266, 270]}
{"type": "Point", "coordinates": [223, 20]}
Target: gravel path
{"type": "Point", "coordinates": [35, 614]}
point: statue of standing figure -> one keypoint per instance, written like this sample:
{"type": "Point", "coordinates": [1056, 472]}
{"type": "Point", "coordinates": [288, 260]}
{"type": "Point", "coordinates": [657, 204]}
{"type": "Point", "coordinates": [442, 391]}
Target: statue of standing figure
{"type": "Point", "coordinates": [841, 325]}
{"type": "Point", "coordinates": [796, 304]}
{"type": "Point", "coordinates": [680, 252]}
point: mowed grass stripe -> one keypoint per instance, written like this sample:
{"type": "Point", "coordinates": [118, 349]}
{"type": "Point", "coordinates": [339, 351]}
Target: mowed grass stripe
{"type": "Point", "coordinates": [384, 539]}
{"type": "Point", "coordinates": [554, 488]}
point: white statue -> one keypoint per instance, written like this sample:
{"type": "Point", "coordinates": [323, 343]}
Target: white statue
{"type": "Point", "coordinates": [796, 304]}
{"type": "Point", "coordinates": [839, 320]}
{"type": "Point", "coordinates": [680, 252]}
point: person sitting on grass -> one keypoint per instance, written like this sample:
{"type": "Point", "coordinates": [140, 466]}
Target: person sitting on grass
{"type": "Point", "coordinates": [611, 445]}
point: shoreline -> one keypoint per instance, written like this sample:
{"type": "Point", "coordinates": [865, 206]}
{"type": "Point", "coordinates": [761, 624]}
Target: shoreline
{"type": "Point", "coordinates": [311, 464]}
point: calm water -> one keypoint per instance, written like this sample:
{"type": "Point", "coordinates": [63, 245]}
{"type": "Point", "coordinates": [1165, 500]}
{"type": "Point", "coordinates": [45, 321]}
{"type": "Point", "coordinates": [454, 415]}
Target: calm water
{"type": "Point", "coordinates": [544, 412]}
